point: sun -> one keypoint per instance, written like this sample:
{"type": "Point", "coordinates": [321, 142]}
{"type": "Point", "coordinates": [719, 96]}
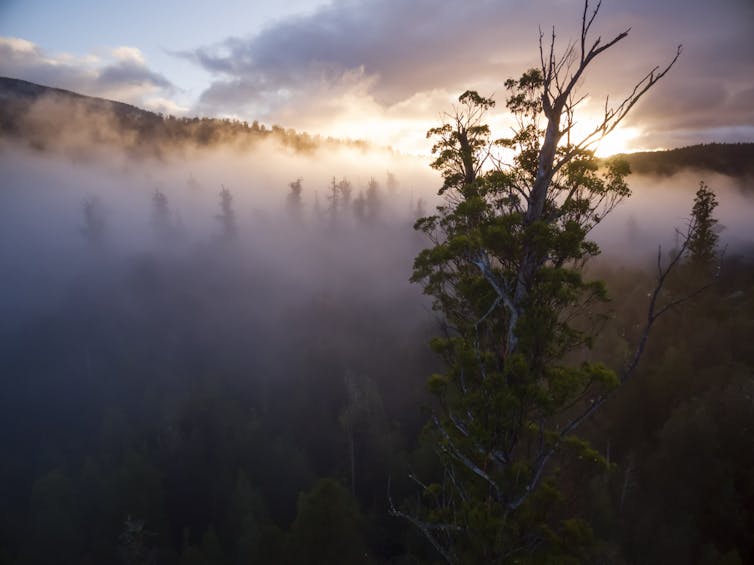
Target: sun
{"type": "Point", "coordinates": [618, 141]}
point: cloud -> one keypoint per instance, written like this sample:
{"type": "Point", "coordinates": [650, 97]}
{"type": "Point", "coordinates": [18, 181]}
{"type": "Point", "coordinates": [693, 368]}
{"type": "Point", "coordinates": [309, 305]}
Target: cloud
{"type": "Point", "coordinates": [129, 54]}
{"type": "Point", "coordinates": [386, 52]}
{"type": "Point", "coordinates": [122, 74]}
{"type": "Point", "coordinates": [398, 48]}
{"type": "Point", "coordinates": [382, 69]}
{"type": "Point", "coordinates": [165, 106]}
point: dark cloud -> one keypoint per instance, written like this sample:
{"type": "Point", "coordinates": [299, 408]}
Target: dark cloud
{"type": "Point", "coordinates": [702, 96]}
{"type": "Point", "coordinates": [408, 46]}
{"type": "Point", "coordinates": [406, 60]}
{"type": "Point", "coordinates": [404, 48]}
{"type": "Point", "coordinates": [699, 103]}
{"type": "Point", "coordinates": [130, 73]}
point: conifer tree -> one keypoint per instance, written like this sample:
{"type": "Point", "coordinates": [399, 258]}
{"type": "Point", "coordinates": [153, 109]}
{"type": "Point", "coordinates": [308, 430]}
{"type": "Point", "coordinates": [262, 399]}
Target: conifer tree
{"type": "Point", "coordinates": [227, 216]}
{"type": "Point", "coordinates": [94, 229]}
{"type": "Point", "coordinates": [161, 219]}
{"type": "Point", "coordinates": [505, 272]}
{"type": "Point", "coordinates": [703, 238]}
{"type": "Point", "coordinates": [294, 202]}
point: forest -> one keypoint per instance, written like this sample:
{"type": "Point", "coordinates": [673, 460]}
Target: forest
{"type": "Point", "coordinates": [728, 159]}
{"type": "Point", "coordinates": [41, 116]}
{"type": "Point", "coordinates": [224, 343]}
{"type": "Point", "coordinates": [250, 395]}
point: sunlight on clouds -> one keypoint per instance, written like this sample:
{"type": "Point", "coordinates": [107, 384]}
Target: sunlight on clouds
{"type": "Point", "coordinates": [405, 131]}
{"type": "Point", "coordinates": [129, 54]}
{"type": "Point", "coordinates": [403, 127]}
{"type": "Point", "coordinates": [396, 133]}
{"type": "Point", "coordinates": [165, 106]}
{"type": "Point", "coordinates": [354, 113]}
{"type": "Point", "coordinates": [121, 73]}
{"type": "Point", "coordinates": [619, 141]}
{"type": "Point", "coordinates": [19, 45]}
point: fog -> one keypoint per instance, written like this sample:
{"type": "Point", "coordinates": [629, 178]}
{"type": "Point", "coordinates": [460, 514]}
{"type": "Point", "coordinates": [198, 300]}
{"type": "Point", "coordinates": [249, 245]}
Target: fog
{"type": "Point", "coordinates": [302, 252]}
{"type": "Point", "coordinates": [128, 292]}
{"type": "Point", "coordinates": [44, 194]}
{"type": "Point", "coordinates": [124, 275]}
{"type": "Point", "coordinates": [203, 309]}
{"type": "Point", "coordinates": [659, 207]}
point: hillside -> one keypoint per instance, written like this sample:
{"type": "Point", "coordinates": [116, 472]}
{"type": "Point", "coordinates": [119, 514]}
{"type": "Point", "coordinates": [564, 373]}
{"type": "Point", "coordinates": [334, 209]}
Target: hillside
{"type": "Point", "coordinates": [732, 159]}
{"type": "Point", "coordinates": [41, 116]}
{"type": "Point", "coordinates": [17, 95]}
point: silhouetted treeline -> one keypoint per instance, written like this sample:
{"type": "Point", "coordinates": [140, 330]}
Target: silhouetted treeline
{"type": "Point", "coordinates": [732, 159]}
{"type": "Point", "coordinates": [45, 116]}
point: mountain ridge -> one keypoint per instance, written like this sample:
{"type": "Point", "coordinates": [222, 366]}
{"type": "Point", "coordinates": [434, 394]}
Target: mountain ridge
{"type": "Point", "coordinates": [148, 131]}
{"type": "Point", "coordinates": [139, 129]}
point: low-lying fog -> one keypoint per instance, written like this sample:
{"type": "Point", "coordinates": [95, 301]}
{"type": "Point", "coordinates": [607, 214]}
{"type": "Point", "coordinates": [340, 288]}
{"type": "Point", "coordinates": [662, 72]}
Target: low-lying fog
{"type": "Point", "coordinates": [75, 222]}
{"type": "Point", "coordinates": [307, 242]}
{"type": "Point", "coordinates": [44, 196]}
{"type": "Point", "coordinates": [130, 284]}
{"type": "Point", "coordinates": [660, 205]}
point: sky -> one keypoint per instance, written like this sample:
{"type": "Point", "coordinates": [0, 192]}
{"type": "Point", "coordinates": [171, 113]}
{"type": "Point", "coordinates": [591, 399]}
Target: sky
{"type": "Point", "coordinates": [387, 70]}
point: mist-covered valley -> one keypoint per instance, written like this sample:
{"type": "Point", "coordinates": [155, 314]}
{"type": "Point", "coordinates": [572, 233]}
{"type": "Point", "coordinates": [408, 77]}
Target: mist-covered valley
{"type": "Point", "coordinates": [347, 223]}
{"type": "Point", "coordinates": [215, 349]}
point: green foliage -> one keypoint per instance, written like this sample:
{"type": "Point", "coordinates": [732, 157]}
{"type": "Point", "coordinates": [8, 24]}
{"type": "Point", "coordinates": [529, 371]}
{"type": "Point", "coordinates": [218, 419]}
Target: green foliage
{"type": "Point", "coordinates": [702, 244]}
{"type": "Point", "coordinates": [459, 143]}
{"type": "Point", "coordinates": [505, 272]}
{"type": "Point", "coordinates": [54, 521]}
{"type": "Point", "coordinates": [208, 552]}
{"type": "Point", "coordinates": [328, 526]}
{"type": "Point", "coordinates": [679, 486]}
{"type": "Point", "coordinates": [507, 394]}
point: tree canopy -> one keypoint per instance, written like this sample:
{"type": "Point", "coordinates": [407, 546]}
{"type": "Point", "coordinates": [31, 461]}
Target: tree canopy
{"type": "Point", "coordinates": [505, 272]}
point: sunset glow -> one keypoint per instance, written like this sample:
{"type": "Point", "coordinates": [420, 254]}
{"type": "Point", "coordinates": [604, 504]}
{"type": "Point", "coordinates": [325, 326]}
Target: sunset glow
{"type": "Point", "coordinates": [378, 71]}
{"type": "Point", "coordinates": [618, 141]}
{"type": "Point", "coordinates": [364, 282]}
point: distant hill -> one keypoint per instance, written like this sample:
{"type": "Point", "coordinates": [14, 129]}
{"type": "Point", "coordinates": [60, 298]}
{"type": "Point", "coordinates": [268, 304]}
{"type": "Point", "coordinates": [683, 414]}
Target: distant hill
{"type": "Point", "coordinates": [17, 95]}
{"type": "Point", "coordinates": [41, 116]}
{"type": "Point", "coordinates": [733, 159]}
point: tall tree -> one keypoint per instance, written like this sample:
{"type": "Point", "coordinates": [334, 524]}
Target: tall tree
{"type": "Point", "coordinates": [161, 218]}
{"type": "Point", "coordinates": [702, 245]}
{"type": "Point", "coordinates": [94, 228]}
{"type": "Point", "coordinates": [505, 273]}
{"type": "Point", "coordinates": [334, 198]}
{"type": "Point", "coordinates": [294, 202]}
{"type": "Point", "coordinates": [391, 182]}
{"type": "Point", "coordinates": [328, 527]}
{"type": "Point", "coordinates": [227, 216]}
{"type": "Point", "coordinates": [346, 191]}
{"type": "Point", "coordinates": [372, 201]}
